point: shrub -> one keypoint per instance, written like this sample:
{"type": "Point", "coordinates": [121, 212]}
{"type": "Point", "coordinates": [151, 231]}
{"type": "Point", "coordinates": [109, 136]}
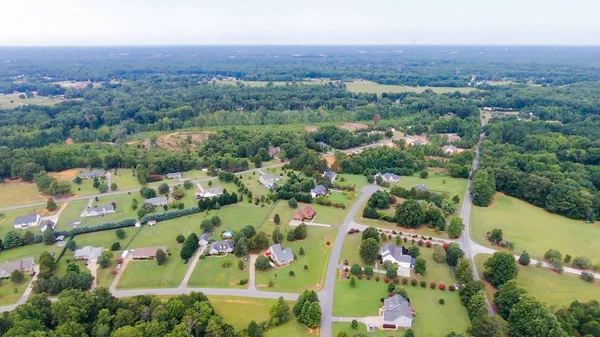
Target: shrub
{"type": "Point", "coordinates": [441, 301]}
{"type": "Point", "coordinates": [582, 262]}
{"type": "Point", "coordinates": [180, 238]}
{"type": "Point", "coordinates": [553, 253]}
{"type": "Point", "coordinates": [377, 278]}
{"type": "Point", "coordinates": [271, 283]}
{"type": "Point", "coordinates": [115, 246]}
{"type": "Point", "coordinates": [442, 286]}
{"type": "Point", "coordinates": [452, 287]}
{"type": "Point", "coordinates": [524, 259]}
{"type": "Point", "coordinates": [432, 285]}
{"type": "Point", "coordinates": [243, 281]}
{"type": "Point", "coordinates": [291, 273]}
{"type": "Point", "coordinates": [587, 277]}
{"type": "Point", "coordinates": [226, 264]}
{"type": "Point", "coordinates": [420, 242]}
{"type": "Point", "coordinates": [428, 244]}
{"type": "Point", "coordinates": [423, 284]}
{"type": "Point", "coordinates": [404, 280]}
{"type": "Point", "coordinates": [414, 282]}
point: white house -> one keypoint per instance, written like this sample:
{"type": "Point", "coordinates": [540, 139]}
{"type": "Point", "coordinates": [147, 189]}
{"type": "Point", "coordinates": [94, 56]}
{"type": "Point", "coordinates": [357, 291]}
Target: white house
{"type": "Point", "coordinates": [221, 247]}
{"type": "Point", "coordinates": [92, 174]}
{"type": "Point", "coordinates": [157, 202]}
{"type": "Point", "coordinates": [211, 192]}
{"type": "Point", "coordinates": [203, 241]}
{"type": "Point", "coordinates": [97, 211]}
{"type": "Point", "coordinates": [88, 253]}
{"type": "Point", "coordinates": [397, 311]}
{"type": "Point", "coordinates": [268, 180]}
{"type": "Point", "coordinates": [45, 224]}
{"type": "Point", "coordinates": [27, 221]}
{"type": "Point", "coordinates": [280, 256]}
{"type": "Point", "coordinates": [318, 191]}
{"type": "Point", "coordinates": [331, 175]}
{"type": "Point", "coordinates": [173, 175]}
{"type": "Point", "coordinates": [388, 177]}
{"type": "Point", "coordinates": [395, 254]}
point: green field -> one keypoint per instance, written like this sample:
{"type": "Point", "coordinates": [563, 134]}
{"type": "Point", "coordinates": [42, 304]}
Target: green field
{"type": "Point", "coordinates": [235, 217]}
{"type": "Point", "coordinates": [6, 220]}
{"type": "Point", "coordinates": [451, 316]}
{"type": "Point", "coordinates": [27, 251]}
{"type": "Point", "coordinates": [106, 238]}
{"type": "Point", "coordinates": [148, 274]}
{"type": "Point", "coordinates": [16, 192]}
{"type": "Point", "coordinates": [11, 101]}
{"type": "Point", "coordinates": [535, 230]}
{"type": "Point", "coordinates": [376, 88]}
{"type": "Point", "coordinates": [347, 328]}
{"type": "Point", "coordinates": [7, 290]}
{"type": "Point", "coordinates": [123, 210]}
{"type": "Point", "coordinates": [556, 289]}
{"type": "Point", "coordinates": [210, 273]}
{"type": "Point", "coordinates": [316, 258]}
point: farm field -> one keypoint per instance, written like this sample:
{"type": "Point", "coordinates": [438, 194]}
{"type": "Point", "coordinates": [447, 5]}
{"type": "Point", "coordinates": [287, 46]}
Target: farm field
{"type": "Point", "coordinates": [556, 289]}
{"type": "Point", "coordinates": [11, 101]}
{"type": "Point", "coordinates": [10, 292]}
{"type": "Point", "coordinates": [17, 192]}
{"type": "Point", "coordinates": [376, 88]}
{"type": "Point", "coordinates": [316, 258]}
{"type": "Point", "coordinates": [210, 273]}
{"type": "Point", "coordinates": [533, 229]}
{"type": "Point", "coordinates": [451, 316]}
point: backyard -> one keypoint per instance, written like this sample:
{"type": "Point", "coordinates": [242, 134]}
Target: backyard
{"type": "Point", "coordinates": [555, 289]}
{"type": "Point", "coordinates": [168, 275]}
{"type": "Point", "coordinates": [210, 273]}
{"type": "Point", "coordinates": [533, 229]}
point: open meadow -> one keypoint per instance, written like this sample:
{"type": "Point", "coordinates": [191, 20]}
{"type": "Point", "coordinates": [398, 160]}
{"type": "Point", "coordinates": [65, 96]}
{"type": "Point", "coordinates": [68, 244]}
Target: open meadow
{"type": "Point", "coordinates": [11, 101]}
{"type": "Point", "coordinates": [18, 192]}
{"type": "Point", "coordinates": [533, 229]}
{"type": "Point", "coordinates": [211, 272]}
{"type": "Point", "coordinates": [376, 88]}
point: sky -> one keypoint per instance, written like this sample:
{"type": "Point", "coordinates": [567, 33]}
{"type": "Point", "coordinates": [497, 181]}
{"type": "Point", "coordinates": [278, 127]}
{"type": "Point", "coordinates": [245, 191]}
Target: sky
{"type": "Point", "coordinates": [275, 22]}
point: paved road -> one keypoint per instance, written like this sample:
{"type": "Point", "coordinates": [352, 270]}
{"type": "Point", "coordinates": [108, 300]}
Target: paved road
{"type": "Point", "coordinates": [126, 191]}
{"type": "Point", "coordinates": [326, 294]}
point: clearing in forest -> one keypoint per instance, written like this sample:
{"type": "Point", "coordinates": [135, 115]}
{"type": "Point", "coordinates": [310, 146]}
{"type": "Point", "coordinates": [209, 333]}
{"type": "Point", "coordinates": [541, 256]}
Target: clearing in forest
{"type": "Point", "coordinates": [354, 126]}
{"type": "Point", "coordinates": [177, 141]}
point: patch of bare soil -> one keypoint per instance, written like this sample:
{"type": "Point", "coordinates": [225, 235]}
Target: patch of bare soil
{"type": "Point", "coordinates": [65, 175]}
{"type": "Point", "coordinates": [178, 141]}
{"type": "Point", "coordinates": [330, 161]}
{"type": "Point", "coordinates": [354, 126]}
{"type": "Point", "coordinates": [310, 128]}
{"type": "Point", "coordinates": [69, 141]}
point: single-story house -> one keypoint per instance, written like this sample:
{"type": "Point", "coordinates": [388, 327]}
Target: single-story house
{"type": "Point", "coordinates": [273, 151]}
{"type": "Point", "coordinates": [331, 175]}
{"type": "Point", "coordinates": [397, 311]}
{"type": "Point", "coordinates": [449, 149]}
{"type": "Point", "coordinates": [398, 255]}
{"type": "Point", "coordinates": [157, 201]}
{"type": "Point", "coordinates": [27, 221]}
{"type": "Point", "coordinates": [388, 177]}
{"type": "Point", "coordinates": [318, 191]}
{"type": "Point", "coordinates": [268, 180]}
{"type": "Point", "coordinates": [211, 192]}
{"type": "Point", "coordinates": [98, 211]}
{"type": "Point", "coordinates": [421, 188]}
{"type": "Point", "coordinates": [306, 213]}
{"type": "Point", "coordinates": [173, 175]}
{"type": "Point", "coordinates": [221, 247]}
{"type": "Point", "coordinates": [451, 137]}
{"type": "Point", "coordinates": [74, 223]}
{"type": "Point", "coordinates": [88, 253]}
{"type": "Point", "coordinates": [279, 255]}
{"type": "Point", "coordinates": [92, 174]}
{"type": "Point", "coordinates": [203, 241]}
{"type": "Point", "coordinates": [45, 224]}
{"type": "Point", "coordinates": [147, 252]}
{"type": "Point", "coordinates": [24, 265]}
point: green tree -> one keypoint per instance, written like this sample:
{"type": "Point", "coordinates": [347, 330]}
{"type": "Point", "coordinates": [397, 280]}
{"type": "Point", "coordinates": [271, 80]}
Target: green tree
{"type": "Point", "coordinates": [477, 306]}
{"type": "Point", "coordinates": [496, 235]}
{"type": "Point", "coordinates": [369, 271]}
{"type": "Point", "coordinates": [254, 330]}
{"type": "Point", "coordinates": [293, 203]}
{"type": "Point", "coordinates": [313, 316]}
{"type": "Point", "coordinates": [216, 221]}
{"type": "Point", "coordinates": [414, 251]}
{"type": "Point", "coordinates": [531, 318]}
{"type": "Point", "coordinates": [409, 333]}
{"type": "Point", "coordinates": [352, 282]}
{"type": "Point", "coordinates": [369, 250]}
{"type": "Point", "coordinates": [126, 331]}
{"type": "Point", "coordinates": [423, 174]}
{"type": "Point", "coordinates": [370, 232]}
{"type": "Point", "coordinates": [524, 259]}
{"type": "Point", "coordinates": [410, 214]}
{"type": "Point", "coordinates": [488, 326]}
{"type": "Point", "coordinates": [47, 265]}
{"type": "Point", "coordinates": [455, 228]}
{"type": "Point", "coordinates": [500, 268]}
{"type": "Point", "coordinates": [104, 259]}
{"type": "Point", "coordinates": [120, 234]}
{"type": "Point", "coordinates": [280, 312]}
{"type": "Point", "coordinates": [277, 236]}
{"type": "Point", "coordinates": [483, 188]}
{"type": "Point", "coordinates": [420, 266]}
{"type": "Point", "coordinates": [141, 174]}
{"type": "Point", "coordinates": [453, 254]}
{"type": "Point", "coordinates": [115, 246]}
{"type": "Point", "coordinates": [507, 296]}
{"type": "Point", "coordinates": [439, 254]}
{"type": "Point", "coordinates": [180, 238]}
{"type": "Point", "coordinates": [163, 188]}
{"type": "Point", "coordinates": [188, 184]}
{"type": "Point", "coordinates": [17, 276]}
{"type": "Point", "coordinates": [276, 219]}
{"type": "Point", "coordinates": [103, 188]}
{"type": "Point", "coordinates": [464, 271]}
{"type": "Point", "coordinates": [49, 237]}
{"type": "Point", "coordinates": [161, 257]}
{"type": "Point", "coordinates": [262, 263]}
{"type": "Point", "coordinates": [189, 246]}
{"type": "Point", "coordinates": [51, 205]}
{"type": "Point", "coordinates": [113, 187]}
{"type": "Point", "coordinates": [71, 245]}
{"type": "Point", "coordinates": [12, 239]}
{"type": "Point", "coordinates": [301, 251]}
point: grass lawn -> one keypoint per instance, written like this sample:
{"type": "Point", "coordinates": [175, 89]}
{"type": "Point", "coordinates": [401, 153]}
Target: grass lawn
{"type": "Point", "coordinates": [353, 179]}
{"type": "Point", "coordinates": [6, 220]}
{"type": "Point", "coordinates": [347, 328]}
{"type": "Point", "coordinates": [11, 101]}
{"type": "Point", "coordinates": [449, 317]}
{"type": "Point", "coordinates": [124, 211]}
{"type": "Point", "coordinates": [376, 88]}
{"type": "Point", "coordinates": [437, 183]}
{"type": "Point", "coordinates": [17, 192]}
{"type": "Point", "coordinates": [351, 250]}
{"type": "Point", "coordinates": [292, 329]}
{"type": "Point", "coordinates": [7, 290]}
{"type": "Point", "coordinates": [535, 230]}
{"type": "Point", "coordinates": [27, 251]}
{"type": "Point", "coordinates": [148, 274]}
{"type": "Point", "coordinates": [210, 273]}
{"type": "Point", "coordinates": [106, 238]}
{"type": "Point", "coordinates": [239, 311]}
{"type": "Point", "coordinates": [235, 217]}
{"type": "Point", "coordinates": [556, 289]}
{"type": "Point", "coordinates": [316, 258]}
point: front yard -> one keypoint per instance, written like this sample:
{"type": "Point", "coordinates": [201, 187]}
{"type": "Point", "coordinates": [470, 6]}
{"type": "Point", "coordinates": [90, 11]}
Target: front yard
{"type": "Point", "coordinates": [210, 273]}
{"type": "Point", "coordinates": [10, 292]}
{"type": "Point", "coordinates": [148, 274]}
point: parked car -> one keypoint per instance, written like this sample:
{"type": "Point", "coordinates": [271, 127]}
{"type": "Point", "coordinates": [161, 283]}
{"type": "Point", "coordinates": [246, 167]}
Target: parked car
{"type": "Point", "coordinates": [118, 266]}
{"type": "Point", "coordinates": [353, 230]}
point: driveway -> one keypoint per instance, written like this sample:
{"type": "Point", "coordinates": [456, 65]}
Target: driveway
{"type": "Point", "coordinates": [191, 267]}
{"type": "Point", "coordinates": [113, 285]}
{"type": "Point", "coordinates": [252, 270]}
{"type": "Point", "coordinates": [295, 223]}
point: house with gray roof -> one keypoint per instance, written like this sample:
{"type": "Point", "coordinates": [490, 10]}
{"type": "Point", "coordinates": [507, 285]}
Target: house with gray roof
{"type": "Point", "coordinates": [318, 191]}
{"type": "Point", "coordinates": [221, 247]}
{"type": "Point", "coordinates": [97, 211]}
{"type": "Point", "coordinates": [397, 311]}
{"type": "Point", "coordinates": [388, 177]}
{"type": "Point", "coordinates": [88, 253]}
{"type": "Point", "coordinates": [27, 221]}
{"type": "Point", "coordinates": [173, 175]}
{"type": "Point", "coordinates": [97, 173]}
{"type": "Point", "coordinates": [268, 180]}
{"type": "Point", "coordinates": [421, 188]}
{"type": "Point", "coordinates": [211, 192]}
{"type": "Point", "coordinates": [331, 175]}
{"type": "Point", "coordinates": [24, 265]}
{"type": "Point", "coordinates": [399, 256]}
{"type": "Point", "coordinates": [45, 224]}
{"type": "Point", "coordinates": [280, 256]}
{"type": "Point", "coordinates": [203, 240]}
{"type": "Point", "coordinates": [157, 201]}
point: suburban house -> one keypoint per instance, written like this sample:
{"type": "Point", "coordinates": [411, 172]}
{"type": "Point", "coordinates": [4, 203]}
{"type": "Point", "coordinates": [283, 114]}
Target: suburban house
{"type": "Point", "coordinates": [97, 211]}
{"type": "Point", "coordinates": [24, 265]}
{"type": "Point", "coordinates": [203, 241]}
{"type": "Point", "coordinates": [397, 255]}
{"type": "Point", "coordinates": [397, 311]}
{"type": "Point", "coordinates": [158, 201]}
{"type": "Point", "coordinates": [88, 253]}
{"type": "Point", "coordinates": [45, 224]}
{"type": "Point", "coordinates": [268, 180]}
{"type": "Point", "coordinates": [273, 151]}
{"type": "Point", "coordinates": [280, 256]}
{"type": "Point", "coordinates": [27, 221]}
{"type": "Point", "coordinates": [220, 247]}
{"type": "Point", "coordinates": [306, 213]}
{"type": "Point", "coordinates": [421, 188]}
{"type": "Point", "coordinates": [211, 192]}
{"type": "Point", "coordinates": [318, 191]}
{"type": "Point", "coordinates": [173, 175]}
{"type": "Point", "coordinates": [92, 174]}
{"type": "Point", "coordinates": [147, 252]}
{"type": "Point", "coordinates": [449, 149]}
{"type": "Point", "coordinates": [388, 177]}
{"type": "Point", "coordinates": [331, 175]}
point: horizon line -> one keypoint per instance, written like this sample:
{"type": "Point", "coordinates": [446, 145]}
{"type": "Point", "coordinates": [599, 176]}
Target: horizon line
{"type": "Point", "coordinates": [299, 45]}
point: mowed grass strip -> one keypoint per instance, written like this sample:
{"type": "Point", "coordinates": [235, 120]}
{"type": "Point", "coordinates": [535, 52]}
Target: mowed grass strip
{"type": "Point", "coordinates": [535, 230]}
{"type": "Point", "coordinates": [239, 311]}
{"type": "Point", "coordinates": [556, 289]}
{"type": "Point", "coordinates": [210, 273]}
{"type": "Point", "coordinates": [316, 258]}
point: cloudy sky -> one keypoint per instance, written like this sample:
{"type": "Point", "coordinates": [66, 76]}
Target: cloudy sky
{"type": "Point", "coordinates": [168, 22]}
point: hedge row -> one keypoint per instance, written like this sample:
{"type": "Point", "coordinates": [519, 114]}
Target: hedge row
{"type": "Point", "coordinates": [170, 214]}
